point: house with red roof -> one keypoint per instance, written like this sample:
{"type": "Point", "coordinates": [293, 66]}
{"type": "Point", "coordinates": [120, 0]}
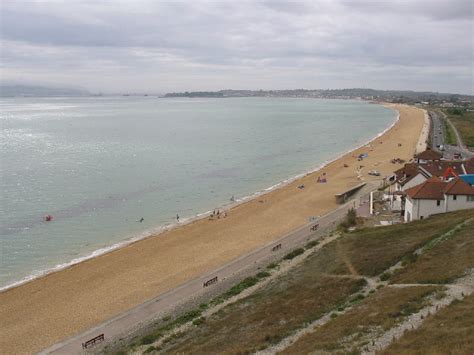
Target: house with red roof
{"type": "Point", "coordinates": [413, 174]}
{"type": "Point", "coordinates": [437, 196]}
{"type": "Point", "coordinates": [428, 155]}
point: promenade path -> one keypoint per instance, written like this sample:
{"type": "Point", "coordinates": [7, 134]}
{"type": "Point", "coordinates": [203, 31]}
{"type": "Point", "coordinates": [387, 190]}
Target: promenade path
{"type": "Point", "coordinates": [146, 313]}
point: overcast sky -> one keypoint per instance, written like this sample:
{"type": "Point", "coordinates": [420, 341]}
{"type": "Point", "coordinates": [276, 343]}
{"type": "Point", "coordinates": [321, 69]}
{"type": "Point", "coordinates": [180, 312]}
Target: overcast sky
{"type": "Point", "coordinates": [161, 46]}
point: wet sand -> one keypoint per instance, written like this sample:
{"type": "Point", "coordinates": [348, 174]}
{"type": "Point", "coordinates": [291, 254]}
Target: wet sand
{"type": "Point", "coordinates": [40, 313]}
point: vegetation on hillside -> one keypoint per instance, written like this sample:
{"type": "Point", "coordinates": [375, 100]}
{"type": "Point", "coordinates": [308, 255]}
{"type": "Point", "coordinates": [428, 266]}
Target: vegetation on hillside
{"type": "Point", "coordinates": [463, 120]}
{"type": "Point", "coordinates": [348, 281]}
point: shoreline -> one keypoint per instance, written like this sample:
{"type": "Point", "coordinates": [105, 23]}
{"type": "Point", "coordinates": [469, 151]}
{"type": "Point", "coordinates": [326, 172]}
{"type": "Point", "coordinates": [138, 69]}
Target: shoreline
{"type": "Point", "coordinates": [79, 297]}
{"type": "Point", "coordinates": [158, 230]}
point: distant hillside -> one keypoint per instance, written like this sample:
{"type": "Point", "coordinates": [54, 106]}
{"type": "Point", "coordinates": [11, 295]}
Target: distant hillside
{"type": "Point", "coordinates": [368, 94]}
{"type": "Point", "coordinates": [28, 90]}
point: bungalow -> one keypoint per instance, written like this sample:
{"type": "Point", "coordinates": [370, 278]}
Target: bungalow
{"type": "Point", "coordinates": [436, 196]}
{"type": "Point", "coordinates": [413, 174]}
{"type": "Point", "coordinates": [428, 155]}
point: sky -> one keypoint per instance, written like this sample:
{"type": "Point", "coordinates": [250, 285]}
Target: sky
{"type": "Point", "coordinates": [163, 46]}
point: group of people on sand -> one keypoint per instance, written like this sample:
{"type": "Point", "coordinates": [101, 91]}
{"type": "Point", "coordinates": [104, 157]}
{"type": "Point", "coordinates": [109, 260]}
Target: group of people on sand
{"type": "Point", "coordinates": [322, 179]}
{"type": "Point", "coordinates": [217, 213]}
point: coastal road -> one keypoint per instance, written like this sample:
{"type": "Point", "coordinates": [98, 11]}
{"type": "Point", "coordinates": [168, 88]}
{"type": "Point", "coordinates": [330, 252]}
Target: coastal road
{"type": "Point", "coordinates": [438, 138]}
{"type": "Point", "coordinates": [146, 313]}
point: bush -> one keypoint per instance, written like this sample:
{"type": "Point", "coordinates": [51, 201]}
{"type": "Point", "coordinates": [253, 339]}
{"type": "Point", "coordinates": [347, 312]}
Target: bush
{"type": "Point", "coordinates": [199, 321]}
{"type": "Point", "coordinates": [149, 349]}
{"type": "Point", "coordinates": [351, 218]}
{"type": "Point", "coordinates": [272, 266]}
{"type": "Point", "coordinates": [263, 274]}
{"type": "Point", "coordinates": [149, 339]}
{"type": "Point", "coordinates": [385, 276]}
{"type": "Point", "coordinates": [188, 316]}
{"type": "Point", "coordinates": [456, 111]}
{"type": "Point", "coordinates": [294, 254]}
{"type": "Point", "coordinates": [311, 244]}
{"type": "Point", "coordinates": [357, 298]}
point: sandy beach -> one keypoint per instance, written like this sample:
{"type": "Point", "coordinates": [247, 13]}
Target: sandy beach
{"type": "Point", "coordinates": [40, 313]}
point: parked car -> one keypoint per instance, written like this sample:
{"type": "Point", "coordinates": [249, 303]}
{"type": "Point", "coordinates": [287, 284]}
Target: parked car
{"type": "Point", "coordinates": [374, 173]}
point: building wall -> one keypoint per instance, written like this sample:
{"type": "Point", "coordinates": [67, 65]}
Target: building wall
{"type": "Point", "coordinates": [461, 203]}
{"type": "Point", "coordinates": [408, 216]}
{"type": "Point", "coordinates": [417, 180]}
{"type": "Point", "coordinates": [415, 209]}
{"type": "Point", "coordinates": [419, 209]}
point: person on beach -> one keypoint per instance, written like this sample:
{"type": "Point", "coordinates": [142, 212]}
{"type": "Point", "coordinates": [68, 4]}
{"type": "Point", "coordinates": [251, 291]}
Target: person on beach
{"type": "Point", "coordinates": [232, 199]}
{"type": "Point", "coordinates": [141, 220]}
{"type": "Point", "coordinates": [177, 217]}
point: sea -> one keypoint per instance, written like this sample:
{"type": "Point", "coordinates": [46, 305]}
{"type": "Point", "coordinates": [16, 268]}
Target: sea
{"type": "Point", "coordinates": [111, 170]}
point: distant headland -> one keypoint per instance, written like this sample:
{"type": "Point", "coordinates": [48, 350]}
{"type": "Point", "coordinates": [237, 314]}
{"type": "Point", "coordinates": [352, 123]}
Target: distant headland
{"type": "Point", "coordinates": [396, 96]}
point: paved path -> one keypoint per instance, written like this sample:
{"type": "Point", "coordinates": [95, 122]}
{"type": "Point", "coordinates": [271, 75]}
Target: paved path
{"type": "Point", "coordinates": [151, 310]}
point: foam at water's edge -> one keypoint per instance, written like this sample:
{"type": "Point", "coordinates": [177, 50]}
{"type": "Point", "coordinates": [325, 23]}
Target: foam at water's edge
{"type": "Point", "coordinates": [162, 228]}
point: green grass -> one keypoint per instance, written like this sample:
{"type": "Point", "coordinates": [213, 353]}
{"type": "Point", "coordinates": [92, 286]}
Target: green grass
{"type": "Point", "coordinates": [311, 244]}
{"type": "Point", "coordinates": [235, 290]}
{"type": "Point", "coordinates": [310, 290]}
{"type": "Point", "coordinates": [158, 333]}
{"type": "Point", "coordinates": [349, 332]}
{"type": "Point", "coordinates": [371, 251]}
{"type": "Point", "coordinates": [464, 122]}
{"type": "Point", "coordinates": [293, 254]}
{"type": "Point", "coordinates": [443, 260]}
{"type": "Point", "coordinates": [447, 332]}
{"type": "Point", "coordinates": [449, 136]}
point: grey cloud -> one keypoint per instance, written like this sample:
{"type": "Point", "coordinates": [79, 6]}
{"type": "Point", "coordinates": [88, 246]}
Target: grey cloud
{"type": "Point", "coordinates": [232, 42]}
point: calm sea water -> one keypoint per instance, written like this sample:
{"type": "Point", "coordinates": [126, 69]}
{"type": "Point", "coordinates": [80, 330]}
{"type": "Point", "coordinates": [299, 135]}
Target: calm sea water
{"type": "Point", "coordinates": [98, 165]}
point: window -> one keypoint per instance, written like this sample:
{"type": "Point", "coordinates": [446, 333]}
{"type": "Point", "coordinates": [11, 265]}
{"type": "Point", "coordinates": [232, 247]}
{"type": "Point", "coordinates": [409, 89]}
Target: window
{"type": "Point", "coordinates": [470, 198]}
{"type": "Point", "coordinates": [454, 197]}
{"type": "Point", "coordinates": [438, 202]}
{"type": "Point", "coordinates": [421, 217]}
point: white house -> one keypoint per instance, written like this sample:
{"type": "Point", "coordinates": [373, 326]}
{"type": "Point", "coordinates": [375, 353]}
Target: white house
{"type": "Point", "coordinates": [436, 196]}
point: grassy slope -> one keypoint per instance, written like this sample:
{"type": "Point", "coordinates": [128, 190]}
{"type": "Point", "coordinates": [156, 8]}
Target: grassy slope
{"type": "Point", "coordinates": [308, 291]}
{"type": "Point", "coordinates": [464, 124]}
{"type": "Point", "coordinates": [375, 315]}
{"type": "Point", "coordinates": [370, 251]}
{"type": "Point", "coordinates": [437, 265]}
{"type": "Point", "coordinates": [268, 315]}
{"type": "Point", "coordinates": [448, 332]}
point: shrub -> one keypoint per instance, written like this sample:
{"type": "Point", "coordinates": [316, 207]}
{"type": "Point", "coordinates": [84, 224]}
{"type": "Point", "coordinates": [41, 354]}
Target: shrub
{"type": "Point", "coordinates": [263, 274]}
{"type": "Point", "coordinates": [311, 244]}
{"type": "Point", "coordinates": [272, 266]}
{"type": "Point", "coordinates": [149, 339]}
{"type": "Point", "coordinates": [293, 254]}
{"type": "Point", "coordinates": [357, 298]}
{"type": "Point", "coordinates": [199, 321]}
